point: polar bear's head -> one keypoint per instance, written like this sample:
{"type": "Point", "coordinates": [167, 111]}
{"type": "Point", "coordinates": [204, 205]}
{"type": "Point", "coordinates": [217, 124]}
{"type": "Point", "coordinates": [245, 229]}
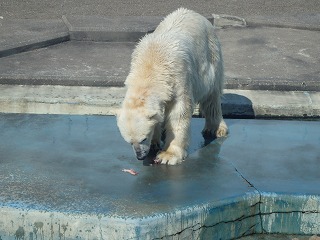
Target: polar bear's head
{"type": "Point", "coordinates": [137, 126]}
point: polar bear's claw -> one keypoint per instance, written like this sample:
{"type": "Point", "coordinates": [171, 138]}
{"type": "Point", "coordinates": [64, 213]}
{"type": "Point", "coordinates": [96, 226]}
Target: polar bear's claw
{"type": "Point", "coordinates": [221, 131]}
{"type": "Point", "coordinates": [169, 158]}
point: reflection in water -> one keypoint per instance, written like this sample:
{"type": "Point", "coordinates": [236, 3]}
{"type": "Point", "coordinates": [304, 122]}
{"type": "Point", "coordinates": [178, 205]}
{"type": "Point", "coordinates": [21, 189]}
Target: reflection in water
{"type": "Point", "coordinates": [201, 143]}
{"type": "Point", "coordinates": [189, 182]}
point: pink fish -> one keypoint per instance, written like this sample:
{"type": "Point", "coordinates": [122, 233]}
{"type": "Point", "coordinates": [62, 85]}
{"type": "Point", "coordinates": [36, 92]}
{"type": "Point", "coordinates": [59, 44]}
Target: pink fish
{"type": "Point", "coordinates": [131, 171]}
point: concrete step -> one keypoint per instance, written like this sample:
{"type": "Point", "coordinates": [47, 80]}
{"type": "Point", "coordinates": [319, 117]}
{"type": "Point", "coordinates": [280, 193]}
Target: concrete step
{"type": "Point", "coordinates": [69, 64]}
{"type": "Point", "coordinates": [255, 59]}
{"type": "Point", "coordinates": [52, 99]}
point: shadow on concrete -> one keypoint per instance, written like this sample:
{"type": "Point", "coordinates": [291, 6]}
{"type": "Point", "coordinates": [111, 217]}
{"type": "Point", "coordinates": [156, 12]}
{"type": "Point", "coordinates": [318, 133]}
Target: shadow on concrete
{"type": "Point", "coordinates": [237, 106]}
{"type": "Point", "coordinates": [201, 142]}
{"type": "Point", "coordinates": [149, 160]}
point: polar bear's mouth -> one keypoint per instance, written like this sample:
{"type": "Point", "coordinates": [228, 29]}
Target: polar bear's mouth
{"type": "Point", "coordinates": [141, 150]}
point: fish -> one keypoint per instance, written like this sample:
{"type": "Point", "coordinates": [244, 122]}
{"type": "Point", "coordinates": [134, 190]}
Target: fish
{"type": "Point", "coordinates": [131, 171]}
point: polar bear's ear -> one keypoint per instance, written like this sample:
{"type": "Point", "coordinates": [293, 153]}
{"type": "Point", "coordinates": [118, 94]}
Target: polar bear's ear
{"type": "Point", "coordinates": [152, 115]}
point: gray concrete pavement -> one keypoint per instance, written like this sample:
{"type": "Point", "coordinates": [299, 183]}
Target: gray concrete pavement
{"type": "Point", "coordinates": [35, 9]}
{"type": "Point", "coordinates": [61, 177]}
{"type": "Point", "coordinates": [257, 59]}
{"type": "Point", "coordinates": [298, 21]}
{"type": "Point", "coordinates": [20, 35]}
{"type": "Point", "coordinates": [70, 64]}
{"type": "Point", "coordinates": [271, 58]}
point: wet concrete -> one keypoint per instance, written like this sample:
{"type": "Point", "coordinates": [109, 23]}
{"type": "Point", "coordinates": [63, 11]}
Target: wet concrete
{"type": "Point", "coordinates": [54, 162]}
{"type": "Point", "coordinates": [281, 160]}
{"type": "Point", "coordinates": [276, 156]}
{"type": "Point", "coordinates": [62, 170]}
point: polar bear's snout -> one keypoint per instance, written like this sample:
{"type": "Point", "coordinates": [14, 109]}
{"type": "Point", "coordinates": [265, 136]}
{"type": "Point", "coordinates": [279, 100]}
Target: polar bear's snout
{"type": "Point", "coordinates": [141, 150]}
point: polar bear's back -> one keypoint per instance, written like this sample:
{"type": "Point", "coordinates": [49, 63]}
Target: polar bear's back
{"type": "Point", "coordinates": [184, 42]}
{"type": "Point", "coordinates": [198, 41]}
{"type": "Point", "coordinates": [182, 20]}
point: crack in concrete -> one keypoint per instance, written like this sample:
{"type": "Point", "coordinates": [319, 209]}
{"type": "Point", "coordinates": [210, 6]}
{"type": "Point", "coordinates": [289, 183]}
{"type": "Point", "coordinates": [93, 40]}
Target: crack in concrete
{"type": "Point", "coordinates": [246, 233]}
{"type": "Point", "coordinates": [259, 209]}
{"type": "Point", "coordinates": [241, 218]}
{"type": "Point", "coordinates": [280, 212]}
{"type": "Point", "coordinates": [258, 203]}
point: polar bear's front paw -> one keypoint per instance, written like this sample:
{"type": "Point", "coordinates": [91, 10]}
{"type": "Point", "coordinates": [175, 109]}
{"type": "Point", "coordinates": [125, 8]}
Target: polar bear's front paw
{"type": "Point", "coordinates": [222, 130]}
{"type": "Point", "coordinates": [170, 158]}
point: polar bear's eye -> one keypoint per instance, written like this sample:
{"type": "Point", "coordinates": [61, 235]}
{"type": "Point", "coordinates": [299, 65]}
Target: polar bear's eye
{"type": "Point", "coordinates": [143, 140]}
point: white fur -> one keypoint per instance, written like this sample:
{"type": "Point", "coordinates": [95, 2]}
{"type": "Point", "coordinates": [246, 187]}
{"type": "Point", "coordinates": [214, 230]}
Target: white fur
{"type": "Point", "coordinates": [173, 68]}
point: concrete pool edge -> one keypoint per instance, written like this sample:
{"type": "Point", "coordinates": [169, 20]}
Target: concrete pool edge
{"type": "Point", "coordinates": [48, 179]}
{"type": "Point", "coordinates": [225, 219]}
{"type": "Point", "coordinates": [84, 100]}
{"type": "Point", "coordinates": [290, 213]}
{"type": "Point", "coordinates": [251, 213]}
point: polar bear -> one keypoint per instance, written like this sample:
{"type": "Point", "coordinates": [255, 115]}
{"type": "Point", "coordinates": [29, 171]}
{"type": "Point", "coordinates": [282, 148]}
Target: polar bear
{"type": "Point", "coordinates": [173, 68]}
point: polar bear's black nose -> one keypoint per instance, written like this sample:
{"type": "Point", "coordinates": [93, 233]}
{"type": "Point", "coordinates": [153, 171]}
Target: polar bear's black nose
{"type": "Point", "coordinates": [139, 153]}
{"type": "Point", "coordinates": [140, 157]}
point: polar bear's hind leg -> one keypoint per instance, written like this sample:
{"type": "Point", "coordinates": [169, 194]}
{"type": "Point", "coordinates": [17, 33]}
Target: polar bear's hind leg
{"type": "Point", "coordinates": [215, 126]}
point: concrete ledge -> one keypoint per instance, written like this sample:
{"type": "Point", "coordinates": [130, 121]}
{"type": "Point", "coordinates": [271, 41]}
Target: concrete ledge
{"type": "Point", "coordinates": [225, 21]}
{"type": "Point", "coordinates": [267, 84]}
{"type": "Point", "coordinates": [298, 21]}
{"type": "Point", "coordinates": [271, 104]}
{"type": "Point", "coordinates": [105, 101]}
{"type": "Point", "coordinates": [60, 99]}
{"type": "Point", "coordinates": [110, 29]}
{"type": "Point", "coordinates": [220, 220]}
